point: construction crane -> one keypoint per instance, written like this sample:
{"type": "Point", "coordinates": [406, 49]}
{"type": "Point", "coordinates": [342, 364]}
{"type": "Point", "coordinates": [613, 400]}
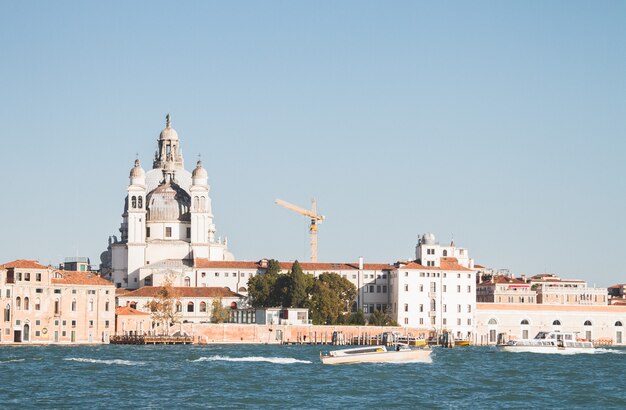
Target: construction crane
{"type": "Point", "coordinates": [315, 220]}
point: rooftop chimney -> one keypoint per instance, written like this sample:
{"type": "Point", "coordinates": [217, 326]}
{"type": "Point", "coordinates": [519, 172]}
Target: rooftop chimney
{"type": "Point", "coordinates": [360, 263]}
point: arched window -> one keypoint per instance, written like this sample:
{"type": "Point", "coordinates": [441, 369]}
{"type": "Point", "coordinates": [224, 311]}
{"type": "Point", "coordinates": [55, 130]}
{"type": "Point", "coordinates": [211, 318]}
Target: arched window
{"type": "Point", "coordinates": [524, 322]}
{"type": "Point", "coordinates": [202, 203]}
{"type": "Point", "coordinates": [190, 307]}
{"type": "Point", "coordinates": [140, 202]}
{"type": "Point", "coordinates": [445, 252]}
{"type": "Point", "coordinates": [493, 321]}
{"type": "Point", "coordinates": [618, 323]}
{"type": "Point", "coordinates": [187, 281]}
{"type": "Point", "coordinates": [91, 305]}
{"type": "Point", "coordinates": [7, 313]}
{"type": "Point", "coordinates": [587, 322]}
{"type": "Point", "coordinates": [18, 303]}
{"type": "Point", "coordinates": [57, 307]}
{"type": "Point", "coordinates": [26, 303]}
{"type": "Point", "coordinates": [202, 306]}
{"type": "Point", "coordinates": [556, 323]}
{"type": "Point", "coordinates": [179, 307]}
{"type": "Point", "coordinates": [37, 304]}
{"type": "Point", "coordinates": [73, 305]}
{"type": "Point", "coordinates": [134, 202]}
{"type": "Point", "coordinates": [196, 202]}
{"type": "Point", "coordinates": [433, 305]}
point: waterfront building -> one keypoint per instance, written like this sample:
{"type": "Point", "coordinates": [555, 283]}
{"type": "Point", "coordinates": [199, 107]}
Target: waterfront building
{"type": "Point", "coordinates": [552, 290]}
{"type": "Point", "coordinates": [505, 289]}
{"type": "Point", "coordinates": [192, 304]}
{"type": "Point", "coordinates": [167, 220]}
{"type": "Point", "coordinates": [46, 305]}
{"type": "Point", "coordinates": [437, 291]}
{"type": "Point", "coordinates": [601, 324]}
{"type": "Point", "coordinates": [129, 321]}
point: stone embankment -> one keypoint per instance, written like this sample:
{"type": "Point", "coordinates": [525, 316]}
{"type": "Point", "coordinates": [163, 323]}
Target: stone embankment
{"type": "Point", "coordinates": [277, 334]}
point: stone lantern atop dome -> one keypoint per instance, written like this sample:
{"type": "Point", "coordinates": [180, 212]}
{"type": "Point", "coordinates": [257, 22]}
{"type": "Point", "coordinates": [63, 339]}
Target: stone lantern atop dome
{"type": "Point", "coordinates": [199, 175]}
{"type": "Point", "coordinates": [169, 150]}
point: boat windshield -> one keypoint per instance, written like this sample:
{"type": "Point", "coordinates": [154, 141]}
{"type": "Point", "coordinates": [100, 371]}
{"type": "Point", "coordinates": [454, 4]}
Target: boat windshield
{"type": "Point", "coordinates": [541, 335]}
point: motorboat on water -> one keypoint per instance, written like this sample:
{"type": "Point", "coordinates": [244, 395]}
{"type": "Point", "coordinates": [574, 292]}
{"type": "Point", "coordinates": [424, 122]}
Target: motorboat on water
{"type": "Point", "coordinates": [401, 352]}
{"type": "Point", "coordinates": [549, 342]}
{"type": "Point", "coordinates": [462, 342]}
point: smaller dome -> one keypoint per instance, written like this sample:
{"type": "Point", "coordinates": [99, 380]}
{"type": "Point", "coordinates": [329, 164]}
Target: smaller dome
{"type": "Point", "coordinates": [199, 172]}
{"type": "Point", "coordinates": [137, 171]}
{"type": "Point", "coordinates": [428, 239]}
{"type": "Point", "coordinates": [168, 132]}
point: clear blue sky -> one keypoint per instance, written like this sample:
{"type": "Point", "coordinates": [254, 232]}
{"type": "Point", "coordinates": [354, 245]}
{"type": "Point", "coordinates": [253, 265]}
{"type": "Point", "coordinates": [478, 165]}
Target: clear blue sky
{"type": "Point", "coordinates": [501, 123]}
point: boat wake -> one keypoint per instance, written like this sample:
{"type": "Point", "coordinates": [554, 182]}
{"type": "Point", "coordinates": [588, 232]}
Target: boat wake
{"type": "Point", "coordinates": [602, 350]}
{"type": "Point", "coordinates": [275, 360]}
{"type": "Point", "coordinates": [11, 361]}
{"type": "Point", "coordinates": [114, 361]}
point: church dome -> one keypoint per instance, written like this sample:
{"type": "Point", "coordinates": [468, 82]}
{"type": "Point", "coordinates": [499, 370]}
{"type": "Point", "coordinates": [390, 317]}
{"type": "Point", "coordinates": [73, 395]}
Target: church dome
{"type": "Point", "coordinates": [199, 171]}
{"type": "Point", "coordinates": [428, 239]}
{"type": "Point", "coordinates": [137, 171]}
{"type": "Point", "coordinates": [168, 132]}
{"type": "Point", "coordinates": [168, 202]}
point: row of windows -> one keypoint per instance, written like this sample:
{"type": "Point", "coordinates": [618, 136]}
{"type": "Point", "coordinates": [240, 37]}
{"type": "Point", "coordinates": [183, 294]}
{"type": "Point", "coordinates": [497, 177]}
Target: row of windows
{"type": "Point", "coordinates": [437, 274]}
{"type": "Point", "coordinates": [168, 232]}
{"type": "Point", "coordinates": [433, 288]}
{"type": "Point", "coordinates": [25, 276]}
{"type": "Point", "coordinates": [433, 321]}
{"type": "Point", "coordinates": [375, 289]}
{"type": "Point", "coordinates": [433, 307]}
{"type": "Point", "coordinates": [556, 322]}
{"type": "Point", "coordinates": [381, 307]}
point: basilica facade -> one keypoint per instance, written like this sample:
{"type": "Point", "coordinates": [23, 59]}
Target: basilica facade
{"type": "Point", "coordinates": [167, 221]}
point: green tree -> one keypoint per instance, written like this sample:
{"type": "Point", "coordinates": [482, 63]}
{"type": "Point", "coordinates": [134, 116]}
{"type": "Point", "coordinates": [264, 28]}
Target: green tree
{"type": "Point", "coordinates": [219, 313]}
{"type": "Point", "coordinates": [296, 294]}
{"type": "Point", "coordinates": [331, 298]}
{"type": "Point", "coordinates": [357, 318]}
{"type": "Point", "coordinates": [264, 290]}
{"type": "Point", "coordinates": [380, 318]}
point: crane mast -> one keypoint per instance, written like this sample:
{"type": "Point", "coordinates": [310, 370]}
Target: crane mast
{"type": "Point", "coordinates": [315, 220]}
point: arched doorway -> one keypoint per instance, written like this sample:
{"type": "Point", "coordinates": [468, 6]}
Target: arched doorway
{"type": "Point", "coordinates": [26, 333]}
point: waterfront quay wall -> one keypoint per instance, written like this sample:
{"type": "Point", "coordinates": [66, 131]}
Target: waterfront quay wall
{"type": "Point", "coordinates": [252, 333]}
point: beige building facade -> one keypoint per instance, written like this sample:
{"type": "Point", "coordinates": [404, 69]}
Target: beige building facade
{"type": "Point", "coordinates": [46, 305]}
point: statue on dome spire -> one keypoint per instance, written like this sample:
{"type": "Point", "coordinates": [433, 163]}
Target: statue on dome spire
{"type": "Point", "coordinates": [168, 120]}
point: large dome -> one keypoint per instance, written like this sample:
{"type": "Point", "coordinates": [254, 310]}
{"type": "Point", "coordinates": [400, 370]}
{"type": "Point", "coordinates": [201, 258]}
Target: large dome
{"type": "Point", "coordinates": [168, 202]}
{"type": "Point", "coordinates": [428, 239]}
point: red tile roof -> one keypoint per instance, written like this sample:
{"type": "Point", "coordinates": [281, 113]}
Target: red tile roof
{"type": "Point", "coordinates": [186, 292]}
{"type": "Point", "coordinates": [24, 264]}
{"type": "Point", "coordinates": [445, 264]}
{"type": "Point", "coordinates": [477, 266]}
{"type": "Point", "coordinates": [80, 278]}
{"type": "Point", "coordinates": [499, 279]}
{"type": "Point", "coordinates": [127, 310]}
{"type": "Point", "coordinates": [618, 286]}
{"type": "Point", "coordinates": [307, 266]}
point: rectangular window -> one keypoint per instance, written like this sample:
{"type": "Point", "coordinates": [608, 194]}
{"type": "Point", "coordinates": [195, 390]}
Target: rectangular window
{"type": "Point", "coordinates": [384, 289]}
{"type": "Point", "coordinates": [371, 288]}
{"type": "Point", "coordinates": [406, 288]}
{"type": "Point", "coordinates": [37, 322]}
{"type": "Point", "coordinates": [445, 308]}
{"type": "Point", "coordinates": [39, 290]}
{"type": "Point", "coordinates": [64, 333]}
{"type": "Point", "coordinates": [406, 320]}
{"type": "Point", "coordinates": [445, 321]}
{"type": "Point", "coordinates": [469, 322]}
{"type": "Point", "coordinates": [91, 323]}
{"type": "Point", "coordinates": [64, 323]}
{"type": "Point", "coordinates": [458, 288]}
{"type": "Point", "coordinates": [378, 288]}
{"type": "Point", "coordinates": [188, 232]}
{"type": "Point", "coordinates": [217, 274]}
{"type": "Point", "coordinates": [421, 288]}
{"type": "Point", "coordinates": [57, 291]}
{"type": "Point", "coordinates": [8, 293]}
{"type": "Point", "coordinates": [37, 333]}
{"type": "Point", "coordinates": [421, 308]}
{"type": "Point", "coordinates": [433, 287]}
{"type": "Point", "coordinates": [458, 308]}
{"type": "Point", "coordinates": [73, 291]}
{"type": "Point", "coordinates": [353, 276]}
{"type": "Point", "coordinates": [38, 277]}
{"type": "Point", "coordinates": [444, 288]}
{"type": "Point", "coordinates": [469, 308]}
{"type": "Point", "coordinates": [73, 323]}
{"type": "Point", "coordinates": [147, 232]}
{"type": "Point", "coordinates": [168, 232]}
{"type": "Point", "coordinates": [106, 323]}
{"type": "Point", "coordinates": [458, 276]}
{"type": "Point", "coordinates": [421, 320]}
{"type": "Point", "coordinates": [469, 288]}
{"type": "Point", "coordinates": [406, 273]}
{"type": "Point", "coordinates": [458, 322]}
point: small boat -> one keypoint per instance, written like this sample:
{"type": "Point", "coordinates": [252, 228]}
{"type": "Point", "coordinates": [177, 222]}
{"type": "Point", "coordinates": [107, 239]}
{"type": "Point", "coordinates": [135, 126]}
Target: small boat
{"type": "Point", "coordinates": [461, 342]}
{"type": "Point", "coordinates": [549, 342]}
{"type": "Point", "coordinates": [376, 354]}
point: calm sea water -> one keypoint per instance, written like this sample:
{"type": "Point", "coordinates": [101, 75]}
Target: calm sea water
{"type": "Point", "coordinates": [263, 376]}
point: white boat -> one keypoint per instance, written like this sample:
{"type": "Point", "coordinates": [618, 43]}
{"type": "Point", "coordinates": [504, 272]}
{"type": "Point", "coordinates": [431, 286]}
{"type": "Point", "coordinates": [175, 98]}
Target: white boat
{"type": "Point", "coordinates": [549, 342]}
{"type": "Point", "coordinates": [377, 354]}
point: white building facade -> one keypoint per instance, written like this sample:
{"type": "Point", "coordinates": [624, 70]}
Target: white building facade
{"type": "Point", "coordinates": [437, 291]}
{"type": "Point", "coordinates": [167, 220]}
